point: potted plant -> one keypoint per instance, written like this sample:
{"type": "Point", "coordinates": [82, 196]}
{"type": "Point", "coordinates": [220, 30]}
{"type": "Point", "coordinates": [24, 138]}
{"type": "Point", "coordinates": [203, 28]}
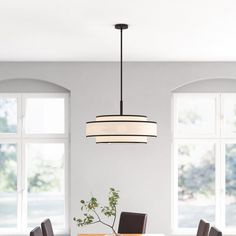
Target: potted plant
{"type": "Point", "coordinates": [92, 211]}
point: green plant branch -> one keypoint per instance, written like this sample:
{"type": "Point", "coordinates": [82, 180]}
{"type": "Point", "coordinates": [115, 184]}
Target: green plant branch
{"type": "Point", "coordinates": [114, 220]}
{"type": "Point", "coordinates": [102, 222]}
{"type": "Point", "coordinates": [95, 222]}
{"type": "Point", "coordinates": [90, 210]}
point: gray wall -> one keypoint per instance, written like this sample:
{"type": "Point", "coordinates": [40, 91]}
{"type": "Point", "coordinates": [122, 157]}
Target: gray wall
{"type": "Point", "coordinates": [21, 85]}
{"type": "Point", "coordinates": [142, 173]}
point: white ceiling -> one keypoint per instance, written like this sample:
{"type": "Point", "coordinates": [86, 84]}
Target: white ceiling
{"type": "Point", "coordinates": [82, 30]}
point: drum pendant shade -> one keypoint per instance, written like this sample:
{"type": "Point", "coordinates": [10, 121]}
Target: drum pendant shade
{"type": "Point", "coordinates": [121, 128]}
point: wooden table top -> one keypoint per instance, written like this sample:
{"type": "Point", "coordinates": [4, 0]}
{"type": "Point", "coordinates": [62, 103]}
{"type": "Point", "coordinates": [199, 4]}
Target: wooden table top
{"type": "Point", "coordinates": [121, 234]}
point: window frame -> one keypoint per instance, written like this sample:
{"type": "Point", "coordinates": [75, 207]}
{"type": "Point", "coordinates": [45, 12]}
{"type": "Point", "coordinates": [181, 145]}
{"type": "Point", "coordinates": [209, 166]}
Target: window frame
{"type": "Point", "coordinates": [219, 139]}
{"type": "Point", "coordinates": [20, 138]}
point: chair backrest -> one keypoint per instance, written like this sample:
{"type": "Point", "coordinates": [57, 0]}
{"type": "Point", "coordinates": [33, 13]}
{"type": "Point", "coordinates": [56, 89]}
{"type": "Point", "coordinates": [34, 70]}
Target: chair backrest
{"type": "Point", "coordinates": [47, 228]}
{"type": "Point", "coordinates": [203, 228]}
{"type": "Point", "coordinates": [215, 232]}
{"type": "Point", "coordinates": [132, 223]}
{"type": "Point", "coordinates": [36, 232]}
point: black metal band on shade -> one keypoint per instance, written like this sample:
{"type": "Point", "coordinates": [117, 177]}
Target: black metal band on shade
{"type": "Point", "coordinates": [121, 142]}
{"type": "Point", "coordinates": [120, 135]}
{"type": "Point", "coordinates": [120, 115]}
{"type": "Point", "coordinates": [120, 121]}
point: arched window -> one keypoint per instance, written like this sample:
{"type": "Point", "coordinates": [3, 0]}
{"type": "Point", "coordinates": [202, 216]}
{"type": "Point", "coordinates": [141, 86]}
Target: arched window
{"type": "Point", "coordinates": [34, 137]}
{"type": "Point", "coordinates": [204, 154]}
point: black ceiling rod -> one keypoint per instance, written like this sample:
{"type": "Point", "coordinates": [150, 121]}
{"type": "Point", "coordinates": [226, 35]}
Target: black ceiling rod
{"type": "Point", "coordinates": [121, 27]}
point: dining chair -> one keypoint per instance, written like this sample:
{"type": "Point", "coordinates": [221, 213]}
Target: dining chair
{"type": "Point", "coordinates": [203, 228]}
{"type": "Point", "coordinates": [36, 232]}
{"type": "Point", "coordinates": [47, 228]}
{"type": "Point", "coordinates": [132, 223]}
{"type": "Point", "coordinates": [215, 232]}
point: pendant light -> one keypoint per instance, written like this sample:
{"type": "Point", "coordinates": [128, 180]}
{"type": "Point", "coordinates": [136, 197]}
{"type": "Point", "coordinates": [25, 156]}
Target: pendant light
{"type": "Point", "coordinates": [121, 128]}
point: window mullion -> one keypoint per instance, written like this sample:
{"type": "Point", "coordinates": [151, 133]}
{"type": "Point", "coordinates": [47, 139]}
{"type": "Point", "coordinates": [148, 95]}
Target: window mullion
{"type": "Point", "coordinates": [222, 165]}
{"type": "Point", "coordinates": [218, 181]}
{"type": "Point", "coordinates": [19, 166]}
{"type": "Point", "coordinates": [23, 176]}
{"type": "Point", "coordinates": [175, 187]}
{"type": "Point", "coordinates": [24, 164]}
{"type": "Point", "coordinates": [222, 184]}
{"type": "Point", "coordinates": [24, 187]}
{"type": "Point", "coordinates": [218, 187]}
{"type": "Point", "coordinates": [19, 187]}
{"type": "Point", "coordinates": [220, 169]}
{"type": "Point", "coordinates": [66, 185]}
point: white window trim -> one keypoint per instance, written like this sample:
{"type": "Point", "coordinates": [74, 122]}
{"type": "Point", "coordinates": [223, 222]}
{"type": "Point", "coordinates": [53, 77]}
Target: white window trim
{"type": "Point", "coordinates": [220, 140]}
{"type": "Point", "coordinates": [20, 138]}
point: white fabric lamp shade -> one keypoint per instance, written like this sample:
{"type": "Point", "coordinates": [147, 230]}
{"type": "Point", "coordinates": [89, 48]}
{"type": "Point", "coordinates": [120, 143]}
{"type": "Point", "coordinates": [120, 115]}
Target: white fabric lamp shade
{"type": "Point", "coordinates": [121, 129]}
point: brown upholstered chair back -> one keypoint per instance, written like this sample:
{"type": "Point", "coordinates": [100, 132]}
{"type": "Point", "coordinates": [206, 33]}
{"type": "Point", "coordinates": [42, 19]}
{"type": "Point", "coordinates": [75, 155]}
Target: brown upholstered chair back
{"type": "Point", "coordinates": [36, 232]}
{"type": "Point", "coordinates": [215, 232]}
{"type": "Point", "coordinates": [203, 228]}
{"type": "Point", "coordinates": [132, 223]}
{"type": "Point", "coordinates": [47, 228]}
